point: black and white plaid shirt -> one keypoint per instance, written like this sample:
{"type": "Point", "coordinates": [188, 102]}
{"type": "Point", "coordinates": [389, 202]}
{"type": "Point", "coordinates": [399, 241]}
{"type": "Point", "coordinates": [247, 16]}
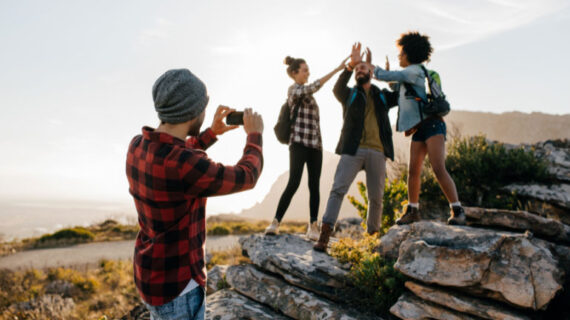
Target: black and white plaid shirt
{"type": "Point", "coordinates": [306, 129]}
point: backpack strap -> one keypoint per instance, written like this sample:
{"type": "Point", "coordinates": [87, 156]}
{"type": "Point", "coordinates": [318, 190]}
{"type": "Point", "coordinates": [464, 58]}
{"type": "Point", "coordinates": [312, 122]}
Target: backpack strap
{"type": "Point", "coordinates": [351, 96]}
{"type": "Point", "coordinates": [383, 98]}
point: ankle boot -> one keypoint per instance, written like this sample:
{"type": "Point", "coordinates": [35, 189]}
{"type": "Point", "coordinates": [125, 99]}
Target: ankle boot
{"type": "Point", "coordinates": [326, 231]}
{"type": "Point", "coordinates": [457, 216]}
{"type": "Point", "coordinates": [412, 215]}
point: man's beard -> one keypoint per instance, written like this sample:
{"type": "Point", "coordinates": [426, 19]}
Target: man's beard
{"type": "Point", "coordinates": [194, 130]}
{"type": "Point", "coordinates": [363, 80]}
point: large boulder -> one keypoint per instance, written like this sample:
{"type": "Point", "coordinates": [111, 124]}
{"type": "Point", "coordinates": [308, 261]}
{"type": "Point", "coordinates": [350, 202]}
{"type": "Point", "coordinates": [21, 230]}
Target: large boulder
{"type": "Point", "coordinates": [504, 266]}
{"type": "Point", "coordinates": [295, 260]}
{"type": "Point", "coordinates": [292, 301]}
{"type": "Point", "coordinates": [228, 305]}
{"type": "Point", "coordinates": [519, 221]}
{"type": "Point", "coordinates": [463, 303]}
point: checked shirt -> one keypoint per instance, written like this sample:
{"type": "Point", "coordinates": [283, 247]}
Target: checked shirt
{"type": "Point", "coordinates": [306, 130]}
{"type": "Point", "coordinates": [169, 180]}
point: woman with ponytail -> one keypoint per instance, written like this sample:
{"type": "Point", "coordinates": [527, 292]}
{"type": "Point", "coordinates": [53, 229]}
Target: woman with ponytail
{"type": "Point", "coordinates": [305, 143]}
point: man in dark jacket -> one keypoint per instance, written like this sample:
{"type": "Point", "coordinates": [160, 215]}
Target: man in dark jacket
{"type": "Point", "coordinates": [365, 143]}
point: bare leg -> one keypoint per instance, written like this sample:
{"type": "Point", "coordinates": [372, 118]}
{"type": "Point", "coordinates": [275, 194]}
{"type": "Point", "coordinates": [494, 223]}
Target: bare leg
{"type": "Point", "coordinates": [436, 154]}
{"type": "Point", "coordinates": [418, 151]}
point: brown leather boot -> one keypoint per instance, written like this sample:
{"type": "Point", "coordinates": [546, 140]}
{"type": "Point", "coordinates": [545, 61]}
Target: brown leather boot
{"type": "Point", "coordinates": [412, 215]}
{"type": "Point", "coordinates": [326, 231]}
{"type": "Point", "coordinates": [457, 216]}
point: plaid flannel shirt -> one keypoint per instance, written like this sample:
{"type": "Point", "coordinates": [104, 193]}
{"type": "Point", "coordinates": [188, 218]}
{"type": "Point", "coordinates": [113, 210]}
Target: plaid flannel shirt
{"type": "Point", "coordinates": [169, 180]}
{"type": "Point", "coordinates": [306, 129]}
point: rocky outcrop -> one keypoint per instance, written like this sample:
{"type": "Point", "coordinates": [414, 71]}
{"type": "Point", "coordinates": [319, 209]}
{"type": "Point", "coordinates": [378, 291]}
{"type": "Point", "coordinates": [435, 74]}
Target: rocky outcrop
{"type": "Point", "coordinates": [292, 301]}
{"type": "Point", "coordinates": [551, 200]}
{"type": "Point", "coordinates": [294, 259]}
{"type": "Point", "coordinates": [228, 305]}
{"type": "Point", "coordinates": [519, 221]}
{"type": "Point", "coordinates": [49, 306]}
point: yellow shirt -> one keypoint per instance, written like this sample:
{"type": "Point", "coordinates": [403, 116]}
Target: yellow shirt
{"type": "Point", "coordinates": [370, 133]}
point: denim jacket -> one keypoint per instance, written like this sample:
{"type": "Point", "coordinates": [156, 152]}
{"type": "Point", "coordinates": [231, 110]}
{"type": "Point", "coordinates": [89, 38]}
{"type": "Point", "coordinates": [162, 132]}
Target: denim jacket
{"type": "Point", "coordinates": [408, 112]}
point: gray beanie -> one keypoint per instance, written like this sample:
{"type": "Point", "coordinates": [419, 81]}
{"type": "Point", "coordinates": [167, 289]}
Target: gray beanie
{"type": "Point", "coordinates": [179, 96]}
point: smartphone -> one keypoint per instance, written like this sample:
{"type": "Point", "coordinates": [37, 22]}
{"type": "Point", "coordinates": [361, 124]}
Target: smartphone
{"type": "Point", "coordinates": [234, 118]}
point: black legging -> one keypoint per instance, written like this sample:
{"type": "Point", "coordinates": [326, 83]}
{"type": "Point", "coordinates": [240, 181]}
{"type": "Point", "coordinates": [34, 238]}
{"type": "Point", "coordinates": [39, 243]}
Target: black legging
{"type": "Point", "coordinates": [298, 156]}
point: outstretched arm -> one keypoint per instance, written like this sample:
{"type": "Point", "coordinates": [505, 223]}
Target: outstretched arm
{"type": "Point", "coordinates": [326, 78]}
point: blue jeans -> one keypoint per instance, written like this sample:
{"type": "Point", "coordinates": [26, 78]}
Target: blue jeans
{"type": "Point", "coordinates": [187, 307]}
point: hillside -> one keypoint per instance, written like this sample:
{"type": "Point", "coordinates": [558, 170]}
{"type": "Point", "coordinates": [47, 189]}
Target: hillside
{"type": "Point", "coordinates": [511, 127]}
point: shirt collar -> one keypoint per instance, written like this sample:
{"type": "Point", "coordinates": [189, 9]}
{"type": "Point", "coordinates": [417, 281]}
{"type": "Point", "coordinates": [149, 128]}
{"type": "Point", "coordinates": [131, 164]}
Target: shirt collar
{"type": "Point", "coordinates": [152, 135]}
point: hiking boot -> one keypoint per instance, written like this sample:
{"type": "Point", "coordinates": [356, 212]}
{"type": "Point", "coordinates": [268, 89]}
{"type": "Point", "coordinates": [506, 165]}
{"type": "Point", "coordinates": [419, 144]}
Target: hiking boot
{"type": "Point", "coordinates": [273, 228]}
{"type": "Point", "coordinates": [457, 216]}
{"type": "Point", "coordinates": [313, 231]}
{"type": "Point", "coordinates": [326, 231]}
{"type": "Point", "coordinates": [412, 215]}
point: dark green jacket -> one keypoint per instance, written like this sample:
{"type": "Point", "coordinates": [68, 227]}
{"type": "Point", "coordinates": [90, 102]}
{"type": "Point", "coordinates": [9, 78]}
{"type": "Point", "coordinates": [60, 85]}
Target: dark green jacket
{"type": "Point", "coordinates": [353, 102]}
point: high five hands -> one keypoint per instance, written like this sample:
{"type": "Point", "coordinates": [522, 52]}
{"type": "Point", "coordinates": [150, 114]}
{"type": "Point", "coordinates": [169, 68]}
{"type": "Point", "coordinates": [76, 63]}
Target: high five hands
{"type": "Point", "coordinates": [356, 56]}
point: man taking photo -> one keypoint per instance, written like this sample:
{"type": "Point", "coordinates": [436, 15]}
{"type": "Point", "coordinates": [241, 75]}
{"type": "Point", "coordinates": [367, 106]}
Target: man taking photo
{"type": "Point", "coordinates": [170, 177]}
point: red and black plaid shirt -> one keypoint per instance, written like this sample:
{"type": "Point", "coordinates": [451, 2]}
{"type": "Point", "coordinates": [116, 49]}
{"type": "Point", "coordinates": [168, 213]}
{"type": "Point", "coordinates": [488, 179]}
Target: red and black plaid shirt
{"type": "Point", "coordinates": [169, 180]}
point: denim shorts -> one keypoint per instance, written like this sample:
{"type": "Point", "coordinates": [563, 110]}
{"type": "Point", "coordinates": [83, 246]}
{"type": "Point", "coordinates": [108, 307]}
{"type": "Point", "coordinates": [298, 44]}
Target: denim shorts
{"type": "Point", "coordinates": [429, 128]}
{"type": "Point", "coordinates": [189, 306]}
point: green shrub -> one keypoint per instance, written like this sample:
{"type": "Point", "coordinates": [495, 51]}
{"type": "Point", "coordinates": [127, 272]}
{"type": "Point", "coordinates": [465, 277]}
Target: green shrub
{"type": "Point", "coordinates": [395, 195]}
{"type": "Point", "coordinates": [481, 169]}
{"type": "Point", "coordinates": [77, 233]}
{"type": "Point", "coordinates": [219, 230]}
{"type": "Point", "coordinates": [377, 284]}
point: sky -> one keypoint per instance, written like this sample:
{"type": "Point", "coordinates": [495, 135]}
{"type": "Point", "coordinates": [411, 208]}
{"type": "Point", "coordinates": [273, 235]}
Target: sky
{"type": "Point", "coordinates": [76, 76]}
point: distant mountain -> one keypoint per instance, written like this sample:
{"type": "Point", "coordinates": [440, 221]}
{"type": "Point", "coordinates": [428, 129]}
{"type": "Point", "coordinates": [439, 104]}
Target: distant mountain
{"type": "Point", "coordinates": [511, 127]}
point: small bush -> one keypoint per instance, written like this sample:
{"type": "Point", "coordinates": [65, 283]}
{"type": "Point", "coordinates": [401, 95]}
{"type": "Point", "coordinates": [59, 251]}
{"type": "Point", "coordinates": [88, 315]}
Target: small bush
{"type": "Point", "coordinates": [220, 230]}
{"type": "Point", "coordinates": [77, 233]}
{"type": "Point", "coordinates": [378, 285]}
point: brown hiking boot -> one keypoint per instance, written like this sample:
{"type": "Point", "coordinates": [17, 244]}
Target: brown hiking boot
{"type": "Point", "coordinates": [457, 216]}
{"type": "Point", "coordinates": [326, 231]}
{"type": "Point", "coordinates": [412, 215]}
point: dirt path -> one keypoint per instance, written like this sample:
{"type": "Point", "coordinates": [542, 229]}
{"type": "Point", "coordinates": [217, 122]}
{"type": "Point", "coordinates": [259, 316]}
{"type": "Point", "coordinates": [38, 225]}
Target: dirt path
{"type": "Point", "coordinates": [91, 253]}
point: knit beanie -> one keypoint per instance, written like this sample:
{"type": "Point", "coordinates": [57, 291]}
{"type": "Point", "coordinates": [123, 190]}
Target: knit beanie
{"type": "Point", "coordinates": [179, 96]}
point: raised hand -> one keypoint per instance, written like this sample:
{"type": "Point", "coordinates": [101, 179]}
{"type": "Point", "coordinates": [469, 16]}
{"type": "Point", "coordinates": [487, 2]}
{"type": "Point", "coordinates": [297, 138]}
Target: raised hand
{"type": "Point", "coordinates": [252, 121]}
{"type": "Point", "coordinates": [343, 63]}
{"type": "Point", "coordinates": [368, 56]}
{"type": "Point", "coordinates": [218, 124]}
{"type": "Point", "coordinates": [387, 64]}
{"type": "Point", "coordinates": [355, 57]}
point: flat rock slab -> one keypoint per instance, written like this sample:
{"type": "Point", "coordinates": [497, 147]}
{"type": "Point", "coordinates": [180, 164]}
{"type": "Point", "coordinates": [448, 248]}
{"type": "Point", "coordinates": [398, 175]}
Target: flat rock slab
{"type": "Point", "coordinates": [410, 307]}
{"type": "Point", "coordinates": [229, 305]}
{"type": "Point", "coordinates": [465, 304]}
{"type": "Point", "coordinates": [557, 194]}
{"type": "Point", "coordinates": [520, 221]}
{"type": "Point", "coordinates": [295, 260]}
{"type": "Point", "coordinates": [292, 301]}
{"type": "Point", "coordinates": [504, 266]}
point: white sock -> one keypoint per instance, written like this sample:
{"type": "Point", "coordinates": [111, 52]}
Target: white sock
{"type": "Point", "coordinates": [454, 204]}
{"type": "Point", "coordinates": [414, 205]}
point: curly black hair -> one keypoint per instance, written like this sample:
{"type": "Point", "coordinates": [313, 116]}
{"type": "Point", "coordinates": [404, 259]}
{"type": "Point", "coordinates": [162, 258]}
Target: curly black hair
{"type": "Point", "coordinates": [416, 46]}
{"type": "Point", "coordinates": [293, 65]}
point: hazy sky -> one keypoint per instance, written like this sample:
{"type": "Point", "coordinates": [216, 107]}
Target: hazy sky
{"type": "Point", "coordinates": [76, 76]}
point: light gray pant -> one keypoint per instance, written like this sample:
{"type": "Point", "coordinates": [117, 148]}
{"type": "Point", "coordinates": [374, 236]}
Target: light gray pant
{"type": "Point", "coordinates": [374, 164]}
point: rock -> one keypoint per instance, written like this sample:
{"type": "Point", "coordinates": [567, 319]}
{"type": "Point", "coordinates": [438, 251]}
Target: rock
{"type": "Point", "coordinates": [216, 279]}
{"type": "Point", "coordinates": [292, 301]}
{"type": "Point", "coordinates": [49, 306]}
{"type": "Point", "coordinates": [349, 228]}
{"type": "Point", "coordinates": [465, 304]}
{"type": "Point", "coordinates": [228, 305]}
{"type": "Point", "coordinates": [295, 260]}
{"type": "Point", "coordinates": [389, 246]}
{"type": "Point", "coordinates": [520, 221]}
{"type": "Point", "coordinates": [503, 266]}
{"type": "Point", "coordinates": [557, 194]}
{"type": "Point", "coordinates": [410, 307]}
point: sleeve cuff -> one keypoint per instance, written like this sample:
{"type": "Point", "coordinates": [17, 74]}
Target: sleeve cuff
{"type": "Point", "coordinates": [254, 140]}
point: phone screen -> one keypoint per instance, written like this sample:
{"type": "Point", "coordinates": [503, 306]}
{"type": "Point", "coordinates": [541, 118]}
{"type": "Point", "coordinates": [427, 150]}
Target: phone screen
{"type": "Point", "coordinates": [235, 118]}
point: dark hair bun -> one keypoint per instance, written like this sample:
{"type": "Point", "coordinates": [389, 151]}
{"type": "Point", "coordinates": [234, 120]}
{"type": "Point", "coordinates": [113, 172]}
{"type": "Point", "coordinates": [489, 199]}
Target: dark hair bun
{"type": "Point", "coordinates": [288, 60]}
